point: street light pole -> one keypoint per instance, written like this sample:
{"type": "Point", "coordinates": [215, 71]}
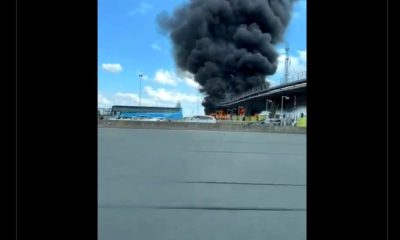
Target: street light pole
{"type": "Point", "coordinates": [140, 94]}
{"type": "Point", "coordinates": [283, 97]}
{"type": "Point", "coordinates": [140, 88]}
{"type": "Point", "coordinates": [266, 108]}
{"type": "Point", "coordinates": [266, 105]}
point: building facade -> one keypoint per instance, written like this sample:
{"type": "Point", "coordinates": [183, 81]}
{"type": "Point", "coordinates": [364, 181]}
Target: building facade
{"type": "Point", "coordinates": [152, 112]}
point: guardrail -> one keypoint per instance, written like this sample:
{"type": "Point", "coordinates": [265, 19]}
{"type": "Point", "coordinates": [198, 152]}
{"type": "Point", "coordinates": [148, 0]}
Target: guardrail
{"type": "Point", "coordinates": [299, 122]}
{"type": "Point", "coordinates": [199, 126]}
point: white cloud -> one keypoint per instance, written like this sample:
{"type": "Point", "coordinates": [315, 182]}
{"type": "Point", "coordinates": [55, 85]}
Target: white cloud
{"type": "Point", "coordinates": [103, 102]}
{"type": "Point", "coordinates": [297, 64]}
{"type": "Point", "coordinates": [112, 67]}
{"type": "Point", "coordinates": [166, 77]}
{"type": "Point", "coordinates": [156, 47]}
{"type": "Point", "coordinates": [142, 8]}
{"type": "Point", "coordinates": [189, 80]}
{"type": "Point", "coordinates": [190, 109]}
{"type": "Point", "coordinates": [303, 55]}
{"type": "Point", "coordinates": [125, 98]}
{"type": "Point", "coordinates": [191, 104]}
{"type": "Point", "coordinates": [130, 99]}
{"type": "Point", "coordinates": [281, 51]}
{"type": "Point", "coordinates": [164, 95]}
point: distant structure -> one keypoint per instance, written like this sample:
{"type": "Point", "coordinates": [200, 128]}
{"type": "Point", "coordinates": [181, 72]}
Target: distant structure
{"type": "Point", "coordinates": [287, 64]}
{"type": "Point", "coordinates": [153, 112]}
{"type": "Point", "coordinates": [104, 111]}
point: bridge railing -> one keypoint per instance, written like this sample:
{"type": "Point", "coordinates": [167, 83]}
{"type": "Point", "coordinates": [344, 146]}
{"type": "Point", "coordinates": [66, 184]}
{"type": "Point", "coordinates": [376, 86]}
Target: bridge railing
{"type": "Point", "coordinates": [292, 78]}
{"type": "Point", "coordinates": [297, 77]}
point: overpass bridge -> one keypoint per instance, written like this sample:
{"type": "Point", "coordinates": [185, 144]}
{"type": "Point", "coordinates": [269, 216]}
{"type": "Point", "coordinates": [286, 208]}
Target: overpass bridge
{"type": "Point", "coordinates": [260, 98]}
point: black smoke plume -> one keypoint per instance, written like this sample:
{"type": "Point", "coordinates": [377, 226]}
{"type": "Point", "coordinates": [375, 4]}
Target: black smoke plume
{"type": "Point", "coordinates": [227, 44]}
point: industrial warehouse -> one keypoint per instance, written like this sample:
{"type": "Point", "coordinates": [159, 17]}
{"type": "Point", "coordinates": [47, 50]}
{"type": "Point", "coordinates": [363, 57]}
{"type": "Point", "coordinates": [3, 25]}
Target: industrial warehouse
{"type": "Point", "coordinates": [147, 112]}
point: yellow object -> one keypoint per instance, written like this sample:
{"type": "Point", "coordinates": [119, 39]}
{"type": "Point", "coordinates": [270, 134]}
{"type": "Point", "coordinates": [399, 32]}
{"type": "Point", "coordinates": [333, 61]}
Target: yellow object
{"type": "Point", "coordinates": [302, 122]}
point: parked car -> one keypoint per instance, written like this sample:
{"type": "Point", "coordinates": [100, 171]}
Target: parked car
{"type": "Point", "coordinates": [161, 119]}
{"type": "Point", "coordinates": [126, 118]}
{"type": "Point", "coordinates": [272, 122]}
{"type": "Point", "coordinates": [202, 119]}
{"type": "Point", "coordinates": [144, 118]}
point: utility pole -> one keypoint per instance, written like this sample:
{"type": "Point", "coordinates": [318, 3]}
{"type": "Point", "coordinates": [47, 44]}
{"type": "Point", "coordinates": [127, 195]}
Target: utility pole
{"type": "Point", "coordinates": [287, 98]}
{"type": "Point", "coordinates": [266, 108]}
{"type": "Point", "coordinates": [294, 107]}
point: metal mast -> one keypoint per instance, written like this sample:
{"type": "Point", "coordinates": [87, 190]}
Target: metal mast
{"type": "Point", "coordinates": [287, 64]}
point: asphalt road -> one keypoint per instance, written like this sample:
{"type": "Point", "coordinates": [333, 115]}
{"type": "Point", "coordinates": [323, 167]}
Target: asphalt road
{"type": "Point", "coordinates": [184, 184]}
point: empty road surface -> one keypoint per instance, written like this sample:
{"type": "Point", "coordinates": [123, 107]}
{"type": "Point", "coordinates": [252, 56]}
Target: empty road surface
{"type": "Point", "coordinates": [190, 184]}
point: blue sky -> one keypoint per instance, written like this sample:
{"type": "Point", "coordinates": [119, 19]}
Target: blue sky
{"type": "Point", "coordinates": [129, 42]}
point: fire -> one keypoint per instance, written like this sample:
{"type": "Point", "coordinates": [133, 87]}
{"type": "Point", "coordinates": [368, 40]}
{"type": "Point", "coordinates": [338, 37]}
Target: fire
{"type": "Point", "coordinates": [223, 115]}
{"type": "Point", "coordinates": [220, 115]}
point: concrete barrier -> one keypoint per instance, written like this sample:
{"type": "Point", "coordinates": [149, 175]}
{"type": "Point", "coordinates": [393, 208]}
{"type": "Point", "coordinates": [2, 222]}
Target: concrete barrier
{"type": "Point", "coordinates": [198, 126]}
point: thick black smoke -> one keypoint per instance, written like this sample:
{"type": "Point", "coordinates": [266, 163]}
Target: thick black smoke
{"type": "Point", "coordinates": [227, 44]}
